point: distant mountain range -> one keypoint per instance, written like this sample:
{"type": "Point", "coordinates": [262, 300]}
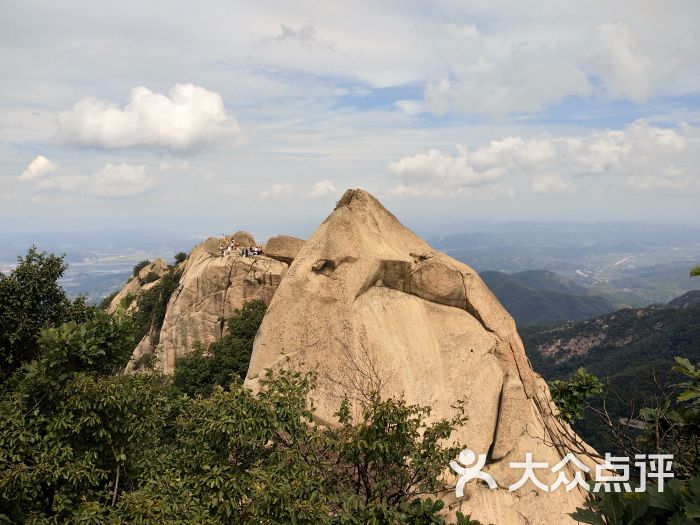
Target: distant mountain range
{"type": "Point", "coordinates": [624, 348]}
{"type": "Point", "coordinates": [541, 297]}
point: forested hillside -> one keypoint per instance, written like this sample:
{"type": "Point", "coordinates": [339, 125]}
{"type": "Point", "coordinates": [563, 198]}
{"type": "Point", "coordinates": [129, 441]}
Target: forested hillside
{"type": "Point", "coordinates": [624, 349]}
{"type": "Point", "coordinates": [539, 297]}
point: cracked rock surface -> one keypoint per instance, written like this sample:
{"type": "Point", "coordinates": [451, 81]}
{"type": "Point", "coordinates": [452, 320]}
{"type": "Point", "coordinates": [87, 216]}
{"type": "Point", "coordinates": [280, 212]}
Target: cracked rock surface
{"type": "Point", "coordinates": [368, 304]}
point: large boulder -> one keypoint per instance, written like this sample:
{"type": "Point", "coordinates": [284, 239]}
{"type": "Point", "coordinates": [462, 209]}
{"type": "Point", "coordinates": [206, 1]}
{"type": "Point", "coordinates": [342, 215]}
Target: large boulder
{"type": "Point", "coordinates": [244, 239]}
{"type": "Point", "coordinates": [367, 304]}
{"type": "Point", "coordinates": [211, 288]}
{"type": "Point", "coordinates": [283, 248]}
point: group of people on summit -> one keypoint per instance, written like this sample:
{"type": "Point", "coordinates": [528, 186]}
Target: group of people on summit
{"type": "Point", "coordinates": [230, 247]}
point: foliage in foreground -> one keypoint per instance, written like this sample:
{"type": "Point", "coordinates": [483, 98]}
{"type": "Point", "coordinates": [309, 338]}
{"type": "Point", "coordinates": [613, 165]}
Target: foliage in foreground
{"type": "Point", "coordinates": [131, 448]}
{"type": "Point", "coordinates": [31, 300]}
{"type": "Point", "coordinates": [82, 443]}
{"type": "Point", "coordinates": [571, 396]}
{"type": "Point", "coordinates": [670, 427]}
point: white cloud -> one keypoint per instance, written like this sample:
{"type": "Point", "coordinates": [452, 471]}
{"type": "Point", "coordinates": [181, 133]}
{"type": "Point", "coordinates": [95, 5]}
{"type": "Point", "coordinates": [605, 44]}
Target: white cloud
{"type": "Point", "coordinates": [551, 183]}
{"type": "Point", "coordinates": [113, 180]}
{"type": "Point", "coordinates": [642, 155]}
{"type": "Point", "coordinates": [527, 80]}
{"type": "Point", "coordinates": [321, 188]}
{"type": "Point", "coordinates": [277, 190]}
{"type": "Point", "coordinates": [671, 178]}
{"type": "Point", "coordinates": [441, 171]}
{"type": "Point", "coordinates": [306, 36]}
{"type": "Point", "coordinates": [38, 167]}
{"type": "Point", "coordinates": [188, 117]}
{"type": "Point", "coordinates": [641, 146]}
{"type": "Point", "coordinates": [410, 107]}
{"type": "Point", "coordinates": [627, 72]}
{"type": "Point", "coordinates": [318, 189]}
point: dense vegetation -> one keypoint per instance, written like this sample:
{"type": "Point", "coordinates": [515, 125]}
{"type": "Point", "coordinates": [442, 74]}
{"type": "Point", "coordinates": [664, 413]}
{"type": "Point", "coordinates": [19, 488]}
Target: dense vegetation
{"type": "Point", "coordinates": [544, 298]}
{"type": "Point", "coordinates": [152, 304]}
{"type": "Point", "coordinates": [629, 350]}
{"type": "Point", "coordinates": [670, 426]}
{"type": "Point", "coordinates": [82, 443]}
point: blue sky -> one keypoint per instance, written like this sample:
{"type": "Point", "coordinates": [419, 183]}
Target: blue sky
{"type": "Point", "coordinates": [258, 115]}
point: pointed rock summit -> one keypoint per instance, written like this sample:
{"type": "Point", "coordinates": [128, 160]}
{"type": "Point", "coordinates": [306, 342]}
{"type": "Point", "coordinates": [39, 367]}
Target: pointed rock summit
{"type": "Point", "coordinates": [368, 304]}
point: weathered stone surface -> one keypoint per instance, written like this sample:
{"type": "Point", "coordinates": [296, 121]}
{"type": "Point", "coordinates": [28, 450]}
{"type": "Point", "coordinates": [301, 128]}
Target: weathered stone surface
{"type": "Point", "coordinates": [135, 286]}
{"type": "Point", "coordinates": [211, 288]}
{"type": "Point", "coordinates": [283, 248]}
{"type": "Point", "coordinates": [369, 304]}
{"type": "Point", "coordinates": [244, 239]}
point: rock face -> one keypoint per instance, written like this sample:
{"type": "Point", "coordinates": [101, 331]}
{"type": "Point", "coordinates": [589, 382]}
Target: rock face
{"type": "Point", "coordinates": [367, 303]}
{"type": "Point", "coordinates": [211, 288]}
{"type": "Point", "coordinates": [137, 285]}
{"type": "Point", "coordinates": [283, 248]}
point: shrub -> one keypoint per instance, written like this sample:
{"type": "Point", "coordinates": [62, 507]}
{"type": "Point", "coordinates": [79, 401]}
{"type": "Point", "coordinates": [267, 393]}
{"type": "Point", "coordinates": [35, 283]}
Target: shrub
{"type": "Point", "coordinates": [151, 277]}
{"type": "Point", "coordinates": [127, 300]}
{"type": "Point", "coordinates": [106, 301]}
{"type": "Point", "coordinates": [140, 266]}
{"type": "Point", "coordinates": [571, 396]}
{"type": "Point", "coordinates": [152, 304]}
{"type": "Point", "coordinates": [146, 362]}
{"type": "Point", "coordinates": [31, 300]}
{"type": "Point", "coordinates": [180, 257]}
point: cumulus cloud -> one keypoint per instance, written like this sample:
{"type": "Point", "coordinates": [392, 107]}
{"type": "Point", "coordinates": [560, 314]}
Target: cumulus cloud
{"type": "Point", "coordinates": [642, 155]}
{"type": "Point", "coordinates": [321, 188]}
{"type": "Point", "coordinates": [38, 167]}
{"type": "Point", "coordinates": [188, 117]}
{"type": "Point", "coordinates": [318, 189]}
{"type": "Point", "coordinates": [640, 146]}
{"type": "Point", "coordinates": [113, 180]}
{"type": "Point", "coordinates": [277, 190]}
{"type": "Point", "coordinates": [440, 171]}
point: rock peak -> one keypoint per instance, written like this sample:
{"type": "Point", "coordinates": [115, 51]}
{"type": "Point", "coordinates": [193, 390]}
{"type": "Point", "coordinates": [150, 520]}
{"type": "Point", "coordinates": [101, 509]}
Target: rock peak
{"type": "Point", "coordinates": [369, 305]}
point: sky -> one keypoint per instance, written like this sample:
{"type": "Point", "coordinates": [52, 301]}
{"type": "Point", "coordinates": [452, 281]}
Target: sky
{"type": "Point", "coordinates": [212, 116]}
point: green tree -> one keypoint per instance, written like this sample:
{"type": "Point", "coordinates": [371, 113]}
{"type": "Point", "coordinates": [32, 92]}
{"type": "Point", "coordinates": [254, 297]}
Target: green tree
{"type": "Point", "coordinates": [30, 300]}
{"type": "Point", "coordinates": [152, 304]}
{"type": "Point", "coordinates": [672, 426]}
{"type": "Point", "coordinates": [140, 266]}
{"type": "Point", "coordinates": [695, 271]}
{"type": "Point", "coordinates": [81, 442]}
{"type": "Point", "coordinates": [106, 301]}
{"type": "Point", "coordinates": [180, 257]}
{"type": "Point", "coordinates": [571, 396]}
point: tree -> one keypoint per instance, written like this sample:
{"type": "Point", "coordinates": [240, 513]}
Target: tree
{"type": "Point", "coordinates": [672, 426]}
{"type": "Point", "coordinates": [140, 266]}
{"type": "Point", "coordinates": [180, 257]}
{"type": "Point", "coordinates": [30, 300]}
{"type": "Point", "coordinates": [571, 396]}
{"type": "Point", "coordinates": [152, 304]}
{"type": "Point", "coordinates": [695, 271]}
